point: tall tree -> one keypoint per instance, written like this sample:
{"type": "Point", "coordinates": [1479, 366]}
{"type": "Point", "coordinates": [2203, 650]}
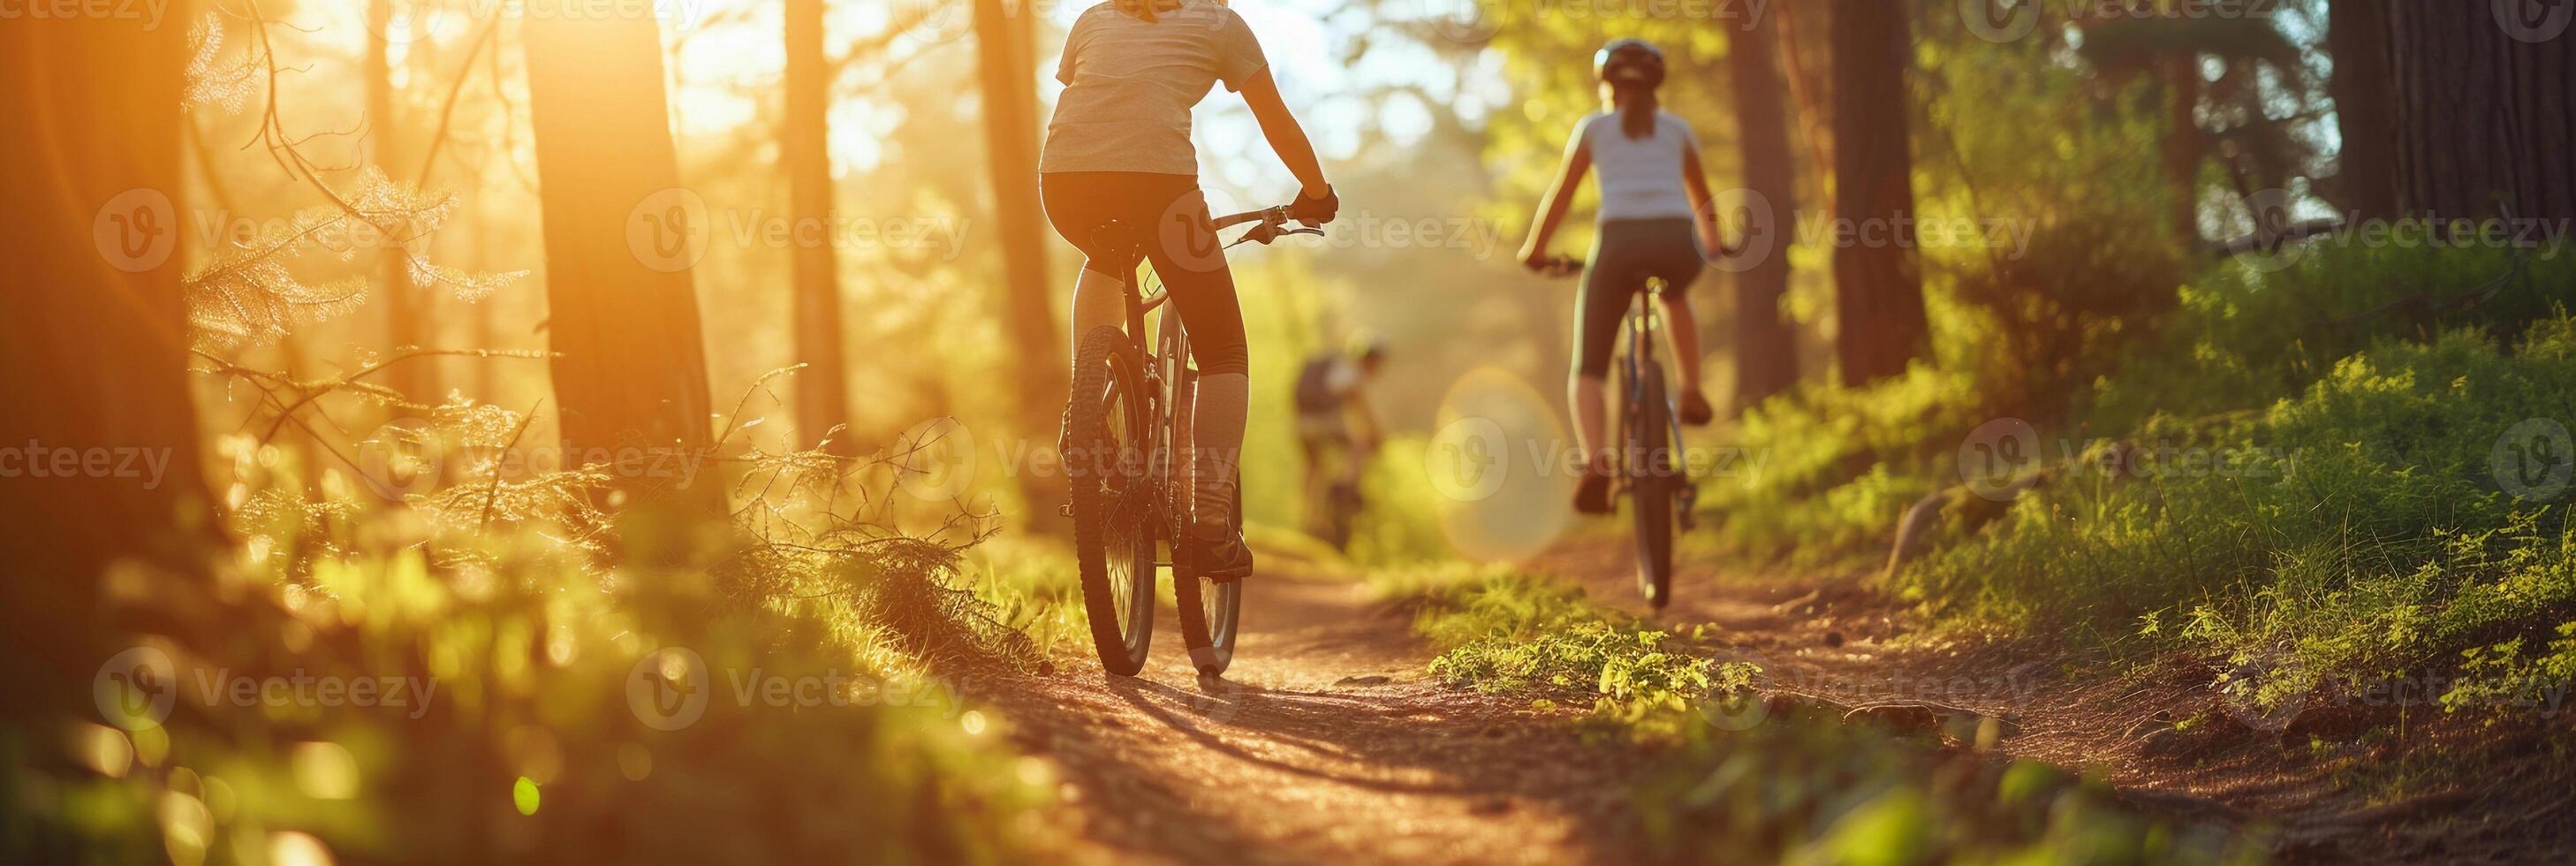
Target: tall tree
{"type": "Point", "coordinates": [93, 334]}
{"type": "Point", "coordinates": [630, 368]}
{"type": "Point", "coordinates": [1009, 78]}
{"type": "Point", "coordinates": [822, 389]}
{"type": "Point", "coordinates": [1766, 344]}
{"type": "Point", "coordinates": [2365, 166]}
{"type": "Point", "coordinates": [404, 319]}
{"type": "Point", "coordinates": [1878, 287]}
{"type": "Point", "coordinates": [2485, 108]}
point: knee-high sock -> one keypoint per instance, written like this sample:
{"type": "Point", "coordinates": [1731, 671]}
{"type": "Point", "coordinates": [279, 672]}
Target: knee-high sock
{"type": "Point", "coordinates": [1217, 434]}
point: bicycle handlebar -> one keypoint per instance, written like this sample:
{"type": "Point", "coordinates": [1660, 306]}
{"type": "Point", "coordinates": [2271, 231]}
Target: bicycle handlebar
{"type": "Point", "coordinates": [1273, 224]}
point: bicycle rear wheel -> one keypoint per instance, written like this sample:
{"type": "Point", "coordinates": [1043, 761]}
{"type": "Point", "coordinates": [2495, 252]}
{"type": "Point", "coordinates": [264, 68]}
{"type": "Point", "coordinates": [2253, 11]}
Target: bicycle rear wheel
{"type": "Point", "coordinates": [1653, 482]}
{"type": "Point", "coordinates": [1115, 503]}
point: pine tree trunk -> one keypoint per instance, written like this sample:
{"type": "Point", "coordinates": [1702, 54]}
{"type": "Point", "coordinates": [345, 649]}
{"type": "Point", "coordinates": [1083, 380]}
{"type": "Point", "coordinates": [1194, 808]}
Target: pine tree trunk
{"type": "Point", "coordinates": [93, 338]}
{"type": "Point", "coordinates": [2482, 119]}
{"type": "Point", "coordinates": [630, 372]}
{"type": "Point", "coordinates": [1766, 345]}
{"type": "Point", "coordinates": [1878, 289]}
{"type": "Point", "coordinates": [1009, 79]}
{"type": "Point", "coordinates": [2366, 168]}
{"type": "Point", "coordinates": [822, 389]}
{"type": "Point", "coordinates": [404, 319]}
{"type": "Point", "coordinates": [2182, 145]}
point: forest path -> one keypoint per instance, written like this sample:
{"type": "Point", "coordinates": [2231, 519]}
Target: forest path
{"type": "Point", "coordinates": [1324, 743]}
{"type": "Point", "coordinates": [1327, 741]}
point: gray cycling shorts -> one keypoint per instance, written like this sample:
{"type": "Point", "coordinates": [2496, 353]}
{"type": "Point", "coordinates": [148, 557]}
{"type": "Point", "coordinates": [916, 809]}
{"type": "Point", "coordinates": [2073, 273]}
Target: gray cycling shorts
{"type": "Point", "coordinates": [1625, 254]}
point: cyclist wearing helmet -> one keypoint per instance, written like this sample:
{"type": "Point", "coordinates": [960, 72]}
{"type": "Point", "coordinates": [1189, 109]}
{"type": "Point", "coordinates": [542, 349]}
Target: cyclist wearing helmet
{"type": "Point", "coordinates": [1118, 149]}
{"type": "Point", "coordinates": [1334, 419]}
{"type": "Point", "coordinates": [1655, 222]}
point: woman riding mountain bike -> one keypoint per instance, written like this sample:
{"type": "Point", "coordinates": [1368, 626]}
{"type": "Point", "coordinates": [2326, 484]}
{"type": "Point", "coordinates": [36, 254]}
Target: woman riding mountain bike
{"type": "Point", "coordinates": [1118, 154]}
{"type": "Point", "coordinates": [1655, 222]}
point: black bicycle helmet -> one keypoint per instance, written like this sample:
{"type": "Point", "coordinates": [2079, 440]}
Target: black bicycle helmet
{"type": "Point", "coordinates": [1629, 61]}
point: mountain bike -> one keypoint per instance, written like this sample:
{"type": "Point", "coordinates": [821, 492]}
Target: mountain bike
{"type": "Point", "coordinates": [1659, 490]}
{"type": "Point", "coordinates": [1127, 428]}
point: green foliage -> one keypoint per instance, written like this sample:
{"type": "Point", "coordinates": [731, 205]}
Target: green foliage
{"type": "Point", "coordinates": [2363, 526]}
{"type": "Point", "coordinates": [1809, 789]}
{"type": "Point", "coordinates": [1836, 466]}
{"type": "Point", "coordinates": [1503, 631]}
{"type": "Point", "coordinates": [524, 736]}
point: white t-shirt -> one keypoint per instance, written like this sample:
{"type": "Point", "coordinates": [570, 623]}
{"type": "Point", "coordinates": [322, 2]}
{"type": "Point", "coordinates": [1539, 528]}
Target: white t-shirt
{"type": "Point", "coordinates": [1641, 178]}
{"type": "Point", "coordinates": [1130, 83]}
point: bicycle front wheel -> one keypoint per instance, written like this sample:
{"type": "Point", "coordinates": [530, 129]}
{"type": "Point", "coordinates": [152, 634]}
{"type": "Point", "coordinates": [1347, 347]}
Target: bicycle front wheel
{"type": "Point", "coordinates": [1653, 482]}
{"type": "Point", "coordinates": [1116, 505]}
{"type": "Point", "coordinates": [1210, 610]}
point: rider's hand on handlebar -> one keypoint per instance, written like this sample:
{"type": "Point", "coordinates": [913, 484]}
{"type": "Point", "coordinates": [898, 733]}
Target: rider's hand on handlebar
{"type": "Point", "coordinates": [1316, 210]}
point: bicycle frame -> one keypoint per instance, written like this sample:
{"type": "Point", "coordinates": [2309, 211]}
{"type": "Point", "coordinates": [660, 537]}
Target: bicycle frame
{"type": "Point", "coordinates": [1644, 319]}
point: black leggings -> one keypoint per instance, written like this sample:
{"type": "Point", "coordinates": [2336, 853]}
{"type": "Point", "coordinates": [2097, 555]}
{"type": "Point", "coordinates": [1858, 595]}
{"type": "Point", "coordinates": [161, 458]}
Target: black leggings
{"type": "Point", "coordinates": [1625, 254]}
{"type": "Point", "coordinates": [1165, 218]}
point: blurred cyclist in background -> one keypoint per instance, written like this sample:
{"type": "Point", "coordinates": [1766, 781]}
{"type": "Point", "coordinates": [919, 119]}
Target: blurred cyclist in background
{"type": "Point", "coordinates": [1336, 433]}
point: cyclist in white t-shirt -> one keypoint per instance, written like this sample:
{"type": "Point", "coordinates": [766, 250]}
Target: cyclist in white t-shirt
{"type": "Point", "coordinates": [1655, 222]}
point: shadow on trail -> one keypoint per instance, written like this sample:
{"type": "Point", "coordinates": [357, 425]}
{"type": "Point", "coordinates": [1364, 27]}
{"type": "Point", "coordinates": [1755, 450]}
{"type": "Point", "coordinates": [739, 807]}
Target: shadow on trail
{"type": "Point", "coordinates": [1287, 762]}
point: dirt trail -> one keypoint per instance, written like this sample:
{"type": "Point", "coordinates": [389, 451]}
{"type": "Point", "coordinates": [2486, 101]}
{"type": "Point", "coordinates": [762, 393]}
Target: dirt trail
{"type": "Point", "coordinates": [2328, 781]}
{"type": "Point", "coordinates": [1324, 743]}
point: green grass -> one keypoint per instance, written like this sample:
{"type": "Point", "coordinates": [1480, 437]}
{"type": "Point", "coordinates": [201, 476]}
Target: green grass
{"type": "Point", "coordinates": [1734, 774]}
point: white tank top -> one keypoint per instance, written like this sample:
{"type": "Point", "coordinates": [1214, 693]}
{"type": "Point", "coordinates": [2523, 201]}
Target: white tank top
{"type": "Point", "coordinates": [1641, 178]}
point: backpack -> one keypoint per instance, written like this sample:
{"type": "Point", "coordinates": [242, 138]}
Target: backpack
{"type": "Point", "coordinates": [1315, 387]}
